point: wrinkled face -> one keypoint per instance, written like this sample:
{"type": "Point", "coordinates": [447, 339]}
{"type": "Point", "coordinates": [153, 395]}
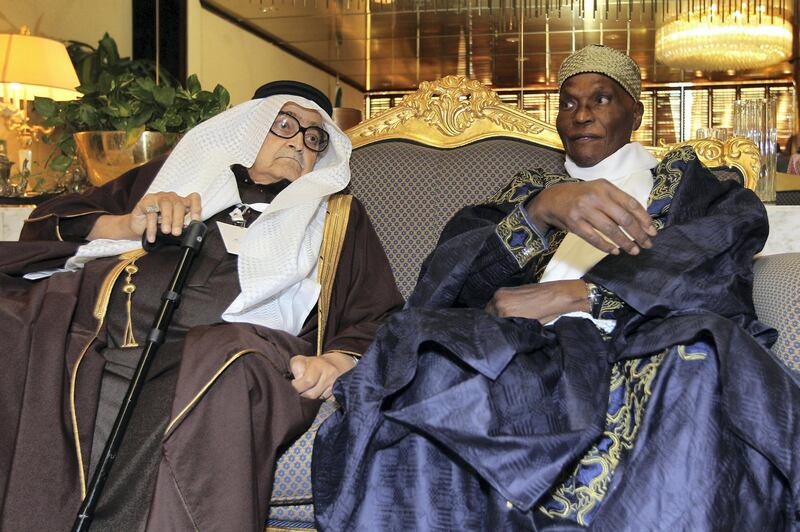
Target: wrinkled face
{"type": "Point", "coordinates": [596, 117]}
{"type": "Point", "coordinates": [281, 158]}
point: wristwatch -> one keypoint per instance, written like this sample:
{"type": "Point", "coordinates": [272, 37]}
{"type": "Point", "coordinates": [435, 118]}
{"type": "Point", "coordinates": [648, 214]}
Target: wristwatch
{"type": "Point", "coordinates": [595, 298]}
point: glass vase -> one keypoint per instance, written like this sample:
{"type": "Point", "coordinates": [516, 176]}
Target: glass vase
{"type": "Point", "coordinates": [756, 119]}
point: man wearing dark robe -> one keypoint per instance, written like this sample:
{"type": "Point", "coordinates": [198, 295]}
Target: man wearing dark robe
{"type": "Point", "coordinates": [581, 351]}
{"type": "Point", "coordinates": [284, 297]}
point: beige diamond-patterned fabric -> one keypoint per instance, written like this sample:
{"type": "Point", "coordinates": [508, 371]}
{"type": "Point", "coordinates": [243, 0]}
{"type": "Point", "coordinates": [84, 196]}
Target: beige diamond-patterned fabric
{"type": "Point", "coordinates": [411, 199]}
{"type": "Point", "coordinates": [292, 484]}
{"type": "Point", "coordinates": [722, 173]}
{"type": "Point", "coordinates": [776, 293]}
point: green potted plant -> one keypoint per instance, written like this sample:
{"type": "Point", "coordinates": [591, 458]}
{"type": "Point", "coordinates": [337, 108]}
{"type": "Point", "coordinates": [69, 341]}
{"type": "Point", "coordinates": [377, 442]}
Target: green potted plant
{"type": "Point", "coordinates": [124, 117]}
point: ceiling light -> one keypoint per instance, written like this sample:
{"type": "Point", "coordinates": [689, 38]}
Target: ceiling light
{"type": "Point", "coordinates": [708, 43]}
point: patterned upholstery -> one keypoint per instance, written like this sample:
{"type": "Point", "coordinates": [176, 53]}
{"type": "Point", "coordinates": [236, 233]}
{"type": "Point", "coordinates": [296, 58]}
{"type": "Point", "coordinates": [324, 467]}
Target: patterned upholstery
{"type": "Point", "coordinates": [776, 292]}
{"type": "Point", "coordinates": [436, 182]}
{"type": "Point", "coordinates": [724, 173]}
{"type": "Point", "coordinates": [787, 197]}
{"type": "Point", "coordinates": [410, 189]}
{"type": "Point", "coordinates": [292, 515]}
{"type": "Point", "coordinates": [291, 504]}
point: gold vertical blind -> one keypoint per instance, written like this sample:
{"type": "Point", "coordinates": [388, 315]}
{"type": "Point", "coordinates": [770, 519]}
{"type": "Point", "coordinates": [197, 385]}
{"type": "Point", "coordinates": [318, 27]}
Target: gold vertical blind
{"type": "Point", "coordinates": [785, 97]}
{"type": "Point", "coordinates": [695, 112]}
{"type": "Point", "coordinates": [722, 107]}
{"type": "Point", "coordinates": [645, 132]}
{"type": "Point", "coordinates": [668, 115]}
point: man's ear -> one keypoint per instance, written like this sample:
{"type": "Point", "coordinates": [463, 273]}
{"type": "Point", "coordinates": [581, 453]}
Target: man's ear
{"type": "Point", "coordinates": [638, 112]}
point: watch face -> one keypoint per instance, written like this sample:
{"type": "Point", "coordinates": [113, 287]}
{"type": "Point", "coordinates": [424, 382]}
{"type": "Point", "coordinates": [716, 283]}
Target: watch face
{"type": "Point", "coordinates": [595, 300]}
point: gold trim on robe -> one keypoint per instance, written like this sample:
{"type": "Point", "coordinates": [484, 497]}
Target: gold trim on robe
{"type": "Point", "coordinates": [60, 216]}
{"type": "Point", "coordinates": [333, 234]}
{"type": "Point", "coordinates": [204, 389]}
{"type": "Point", "coordinates": [100, 308]}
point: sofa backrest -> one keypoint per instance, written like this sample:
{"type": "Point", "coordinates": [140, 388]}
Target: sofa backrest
{"type": "Point", "coordinates": [453, 143]}
{"type": "Point", "coordinates": [410, 190]}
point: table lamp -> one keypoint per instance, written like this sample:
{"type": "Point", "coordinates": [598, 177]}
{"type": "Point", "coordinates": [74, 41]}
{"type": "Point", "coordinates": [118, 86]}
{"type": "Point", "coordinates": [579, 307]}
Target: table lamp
{"type": "Point", "coordinates": [32, 66]}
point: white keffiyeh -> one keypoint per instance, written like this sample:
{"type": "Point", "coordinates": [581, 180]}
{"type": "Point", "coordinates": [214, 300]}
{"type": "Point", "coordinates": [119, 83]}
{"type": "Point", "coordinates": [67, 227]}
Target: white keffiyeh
{"type": "Point", "coordinates": [628, 169]}
{"type": "Point", "coordinates": [280, 250]}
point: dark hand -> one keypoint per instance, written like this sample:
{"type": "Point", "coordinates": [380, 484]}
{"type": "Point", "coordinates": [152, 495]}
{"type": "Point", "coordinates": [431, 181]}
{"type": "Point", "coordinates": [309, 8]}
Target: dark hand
{"type": "Point", "coordinates": [594, 210]}
{"type": "Point", "coordinates": [540, 301]}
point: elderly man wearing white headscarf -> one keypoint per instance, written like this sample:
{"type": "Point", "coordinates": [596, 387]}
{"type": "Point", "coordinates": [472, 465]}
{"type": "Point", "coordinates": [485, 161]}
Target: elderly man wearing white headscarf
{"type": "Point", "coordinates": [285, 296]}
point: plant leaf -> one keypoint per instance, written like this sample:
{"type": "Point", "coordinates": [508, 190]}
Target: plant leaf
{"type": "Point", "coordinates": [121, 109]}
{"type": "Point", "coordinates": [105, 83]}
{"type": "Point", "coordinates": [140, 119]}
{"type": "Point", "coordinates": [173, 119]}
{"type": "Point", "coordinates": [159, 124]}
{"type": "Point", "coordinates": [133, 135]}
{"type": "Point", "coordinates": [193, 84]}
{"type": "Point", "coordinates": [223, 97]}
{"type": "Point", "coordinates": [46, 107]}
{"type": "Point", "coordinates": [87, 114]}
{"type": "Point", "coordinates": [164, 95]}
{"type": "Point", "coordinates": [107, 48]}
{"type": "Point", "coordinates": [60, 163]}
{"type": "Point", "coordinates": [120, 124]}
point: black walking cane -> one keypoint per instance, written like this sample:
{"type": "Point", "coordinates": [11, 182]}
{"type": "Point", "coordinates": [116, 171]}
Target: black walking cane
{"type": "Point", "coordinates": [191, 244]}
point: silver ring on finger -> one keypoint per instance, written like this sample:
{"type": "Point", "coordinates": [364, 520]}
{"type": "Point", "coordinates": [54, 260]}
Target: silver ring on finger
{"type": "Point", "coordinates": [152, 209]}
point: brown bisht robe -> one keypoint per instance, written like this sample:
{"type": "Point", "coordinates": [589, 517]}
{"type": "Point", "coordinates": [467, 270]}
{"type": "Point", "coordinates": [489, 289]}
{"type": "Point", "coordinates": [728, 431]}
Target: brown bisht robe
{"type": "Point", "coordinates": [233, 403]}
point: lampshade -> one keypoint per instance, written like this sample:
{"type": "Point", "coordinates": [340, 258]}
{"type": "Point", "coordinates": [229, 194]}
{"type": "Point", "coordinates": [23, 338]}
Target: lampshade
{"type": "Point", "coordinates": [34, 66]}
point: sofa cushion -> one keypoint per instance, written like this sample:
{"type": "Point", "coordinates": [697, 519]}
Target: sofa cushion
{"type": "Point", "coordinates": [292, 484]}
{"type": "Point", "coordinates": [722, 173]}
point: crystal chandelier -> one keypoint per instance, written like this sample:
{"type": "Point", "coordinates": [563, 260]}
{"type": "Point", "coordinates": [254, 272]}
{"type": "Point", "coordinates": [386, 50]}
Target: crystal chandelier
{"type": "Point", "coordinates": [740, 41]}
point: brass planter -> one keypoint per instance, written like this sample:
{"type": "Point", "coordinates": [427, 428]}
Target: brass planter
{"type": "Point", "coordinates": [106, 155]}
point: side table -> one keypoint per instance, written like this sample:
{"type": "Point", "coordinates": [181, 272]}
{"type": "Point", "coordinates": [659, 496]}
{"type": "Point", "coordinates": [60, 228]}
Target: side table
{"type": "Point", "coordinates": [784, 229]}
{"type": "Point", "coordinates": [11, 219]}
{"type": "Point", "coordinates": [14, 211]}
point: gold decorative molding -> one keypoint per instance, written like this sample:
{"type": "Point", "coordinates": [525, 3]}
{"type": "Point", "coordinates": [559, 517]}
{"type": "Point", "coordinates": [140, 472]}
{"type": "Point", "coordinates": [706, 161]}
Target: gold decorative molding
{"type": "Point", "coordinates": [451, 112]}
{"type": "Point", "coordinates": [735, 152]}
{"type": "Point", "coordinates": [454, 111]}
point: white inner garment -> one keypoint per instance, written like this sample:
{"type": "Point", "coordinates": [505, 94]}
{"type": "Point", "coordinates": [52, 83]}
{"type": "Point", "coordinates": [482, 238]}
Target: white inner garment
{"type": "Point", "coordinates": [629, 170]}
{"type": "Point", "coordinates": [280, 250]}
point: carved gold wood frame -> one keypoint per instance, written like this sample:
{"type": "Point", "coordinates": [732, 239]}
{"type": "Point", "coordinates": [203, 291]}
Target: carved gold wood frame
{"type": "Point", "coordinates": [736, 152]}
{"type": "Point", "coordinates": [454, 111]}
{"type": "Point", "coordinates": [451, 112]}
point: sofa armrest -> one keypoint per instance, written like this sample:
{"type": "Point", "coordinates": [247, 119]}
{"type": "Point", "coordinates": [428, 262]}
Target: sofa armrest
{"type": "Point", "coordinates": [776, 293]}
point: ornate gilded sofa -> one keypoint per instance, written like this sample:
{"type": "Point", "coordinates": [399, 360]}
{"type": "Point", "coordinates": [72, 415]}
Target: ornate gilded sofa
{"type": "Point", "coordinates": [453, 143]}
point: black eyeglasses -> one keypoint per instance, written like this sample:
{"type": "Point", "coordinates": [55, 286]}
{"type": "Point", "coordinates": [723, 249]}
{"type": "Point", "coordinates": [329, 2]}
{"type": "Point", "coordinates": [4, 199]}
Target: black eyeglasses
{"type": "Point", "coordinates": [286, 126]}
